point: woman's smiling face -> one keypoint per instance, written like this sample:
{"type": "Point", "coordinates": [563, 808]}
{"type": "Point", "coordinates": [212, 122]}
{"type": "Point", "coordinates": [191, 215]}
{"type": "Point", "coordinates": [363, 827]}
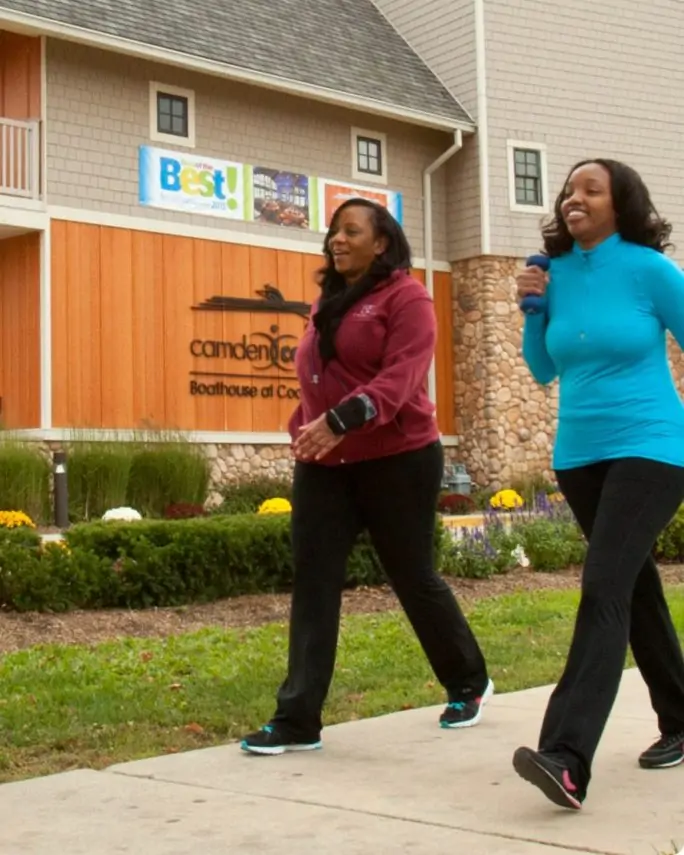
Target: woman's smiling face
{"type": "Point", "coordinates": [587, 208]}
{"type": "Point", "coordinates": [353, 242]}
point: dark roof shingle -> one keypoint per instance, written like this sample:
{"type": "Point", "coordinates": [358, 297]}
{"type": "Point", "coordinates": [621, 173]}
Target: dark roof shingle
{"type": "Point", "coordinates": [346, 46]}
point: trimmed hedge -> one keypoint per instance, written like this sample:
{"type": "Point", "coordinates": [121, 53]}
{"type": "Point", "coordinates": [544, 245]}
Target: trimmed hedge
{"type": "Point", "coordinates": [162, 563]}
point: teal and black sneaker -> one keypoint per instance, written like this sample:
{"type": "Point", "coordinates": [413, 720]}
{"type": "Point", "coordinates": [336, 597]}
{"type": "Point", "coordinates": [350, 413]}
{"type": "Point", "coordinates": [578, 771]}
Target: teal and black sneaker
{"type": "Point", "coordinates": [274, 740]}
{"type": "Point", "coordinates": [466, 712]}
{"type": "Point", "coordinates": [668, 751]}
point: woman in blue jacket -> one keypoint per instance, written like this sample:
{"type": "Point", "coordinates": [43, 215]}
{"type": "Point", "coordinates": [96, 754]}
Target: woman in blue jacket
{"type": "Point", "coordinates": [610, 296]}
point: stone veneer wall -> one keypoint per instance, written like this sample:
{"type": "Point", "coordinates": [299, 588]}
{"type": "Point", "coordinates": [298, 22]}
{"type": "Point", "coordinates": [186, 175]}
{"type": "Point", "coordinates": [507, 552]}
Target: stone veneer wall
{"type": "Point", "coordinates": [504, 420]}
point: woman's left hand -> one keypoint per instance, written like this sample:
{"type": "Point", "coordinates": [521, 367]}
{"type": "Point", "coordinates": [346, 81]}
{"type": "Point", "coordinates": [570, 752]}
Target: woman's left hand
{"type": "Point", "coordinates": [315, 440]}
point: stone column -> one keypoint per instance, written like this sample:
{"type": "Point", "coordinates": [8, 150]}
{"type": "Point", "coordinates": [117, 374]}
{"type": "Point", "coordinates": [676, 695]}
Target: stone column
{"type": "Point", "coordinates": [505, 421]}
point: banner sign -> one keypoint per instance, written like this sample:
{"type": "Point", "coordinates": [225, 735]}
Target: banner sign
{"type": "Point", "coordinates": [213, 187]}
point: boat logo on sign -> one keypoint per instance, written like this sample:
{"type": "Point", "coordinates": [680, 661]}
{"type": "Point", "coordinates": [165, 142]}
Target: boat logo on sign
{"type": "Point", "coordinates": [270, 300]}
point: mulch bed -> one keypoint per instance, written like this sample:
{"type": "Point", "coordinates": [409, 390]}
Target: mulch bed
{"type": "Point", "coordinates": [19, 631]}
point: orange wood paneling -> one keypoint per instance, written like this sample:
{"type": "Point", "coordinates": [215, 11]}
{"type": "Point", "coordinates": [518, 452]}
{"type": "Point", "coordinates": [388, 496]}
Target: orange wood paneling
{"type": "Point", "coordinates": [263, 269]}
{"type": "Point", "coordinates": [444, 353]}
{"type": "Point", "coordinates": [84, 331]}
{"type": "Point", "coordinates": [148, 349]}
{"type": "Point", "coordinates": [290, 276]}
{"type": "Point", "coordinates": [61, 361]}
{"type": "Point", "coordinates": [20, 331]}
{"type": "Point", "coordinates": [179, 323]}
{"type": "Point", "coordinates": [444, 350]}
{"type": "Point", "coordinates": [210, 412]}
{"type": "Point", "coordinates": [116, 329]}
{"type": "Point", "coordinates": [235, 282]}
{"type": "Point", "coordinates": [128, 345]}
{"type": "Point", "coordinates": [20, 59]}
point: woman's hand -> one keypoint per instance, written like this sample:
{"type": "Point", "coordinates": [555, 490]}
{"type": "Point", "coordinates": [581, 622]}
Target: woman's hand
{"type": "Point", "coordinates": [315, 440]}
{"type": "Point", "coordinates": [531, 281]}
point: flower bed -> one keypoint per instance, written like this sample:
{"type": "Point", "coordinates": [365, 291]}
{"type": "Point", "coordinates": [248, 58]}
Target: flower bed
{"type": "Point", "coordinates": [544, 536]}
{"type": "Point", "coordinates": [129, 561]}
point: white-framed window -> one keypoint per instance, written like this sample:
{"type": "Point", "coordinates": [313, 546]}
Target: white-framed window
{"type": "Point", "coordinates": [369, 156]}
{"type": "Point", "coordinates": [528, 185]}
{"type": "Point", "coordinates": [172, 115]}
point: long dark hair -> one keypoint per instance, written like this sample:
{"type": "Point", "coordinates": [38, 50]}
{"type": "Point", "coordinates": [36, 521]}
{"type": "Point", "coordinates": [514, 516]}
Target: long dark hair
{"type": "Point", "coordinates": [636, 218]}
{"type": "Point", "coordinates": [336, 296]}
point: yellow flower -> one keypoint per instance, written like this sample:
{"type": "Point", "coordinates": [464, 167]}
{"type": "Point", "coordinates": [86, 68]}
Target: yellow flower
{"type": "Point", "coordinates": [507, 500]}
{"type": "Point", "coordinates": [15, 519]}
{"type": "Point", "coordinates": [556, 497]}
{"type": "Point", "coordinates": [275, 506]}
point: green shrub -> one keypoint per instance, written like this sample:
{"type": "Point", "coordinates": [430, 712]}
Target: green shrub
{"type": "Point", "coordinates": [24, 480]}
{"type": "Point", "coordinates": [245, 496]}
{"type": "Point", "coordinates": [551, 544]}
{"type": "Point", "coordinates": [167, 474]}
{"type": "Point", "coordinates": [48, 577]}
{"type": "Point", "coordinates": [98, 474]}
{"type": "Point", "coordinates": [670, 544]}
{"type": "Point", "coordinates": [481, 498]}
{"type": "Point", "coordinates": [22, 536]}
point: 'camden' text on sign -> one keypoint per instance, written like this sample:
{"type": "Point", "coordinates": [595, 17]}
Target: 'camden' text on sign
{"type": "Point", "coordinates": [269, 351]}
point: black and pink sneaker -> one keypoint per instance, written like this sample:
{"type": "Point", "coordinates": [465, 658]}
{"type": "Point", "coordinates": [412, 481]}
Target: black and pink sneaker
{"type": "Point", "coordinates": [550, 775]}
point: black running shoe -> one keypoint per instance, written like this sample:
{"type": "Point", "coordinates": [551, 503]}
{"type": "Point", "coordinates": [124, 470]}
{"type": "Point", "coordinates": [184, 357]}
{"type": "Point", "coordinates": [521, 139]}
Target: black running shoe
{"type": "Point", "coordinates": [550, 775]}
{"type": "Point", "coordinates": [272, 740]}
{"type": "Point", "coordinates": [466, 713]}
{"type": "Point", "coordinates": [666, 752]}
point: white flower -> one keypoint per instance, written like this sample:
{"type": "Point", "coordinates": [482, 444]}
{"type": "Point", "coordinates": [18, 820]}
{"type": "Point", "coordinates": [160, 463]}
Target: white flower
{"type": "Point", "coordinates": [125, 514]}
{"type": "Point", "coordinates": [519, 555]}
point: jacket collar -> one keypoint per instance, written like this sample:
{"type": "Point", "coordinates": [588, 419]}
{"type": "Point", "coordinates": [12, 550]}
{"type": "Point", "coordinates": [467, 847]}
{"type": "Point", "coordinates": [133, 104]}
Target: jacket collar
{"type": "Point", "coordinates": [602, 252]}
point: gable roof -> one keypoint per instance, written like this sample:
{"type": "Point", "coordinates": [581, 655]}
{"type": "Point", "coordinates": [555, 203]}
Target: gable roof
{"type": "Point", "coordinates": [343, 47]}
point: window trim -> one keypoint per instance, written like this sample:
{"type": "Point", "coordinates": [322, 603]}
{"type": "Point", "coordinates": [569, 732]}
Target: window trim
{"type": "Point", "coordinates": [357, 174]}
{"type": "Point", "coordinates": [157, 89]}
{"type": "Point", "coordinates": [511, 147]}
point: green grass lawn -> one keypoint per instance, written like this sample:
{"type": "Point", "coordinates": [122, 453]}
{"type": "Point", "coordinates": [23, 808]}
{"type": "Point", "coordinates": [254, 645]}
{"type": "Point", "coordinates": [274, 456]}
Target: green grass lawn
{"type": "Point", "coordinates": [67, 707]}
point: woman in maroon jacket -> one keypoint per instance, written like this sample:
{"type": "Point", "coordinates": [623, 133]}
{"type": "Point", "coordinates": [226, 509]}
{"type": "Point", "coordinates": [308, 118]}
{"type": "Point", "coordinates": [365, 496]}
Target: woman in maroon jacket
{"type": "Point", "coordinates": [368, 456]}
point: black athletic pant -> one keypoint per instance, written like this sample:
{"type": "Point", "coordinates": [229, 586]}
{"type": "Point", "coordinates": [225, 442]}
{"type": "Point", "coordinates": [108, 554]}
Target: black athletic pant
{"type": "Point", "coordinates": [395, 499]}
{"type": "Point", "coordinates": [621, 506]}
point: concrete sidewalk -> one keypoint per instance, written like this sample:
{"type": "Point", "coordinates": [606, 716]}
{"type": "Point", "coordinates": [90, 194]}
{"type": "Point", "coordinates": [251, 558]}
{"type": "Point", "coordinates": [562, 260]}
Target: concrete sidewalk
{"type": "Point", "coordinates": [387, 785]}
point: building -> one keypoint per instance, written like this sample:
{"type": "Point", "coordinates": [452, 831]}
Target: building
{"type": "Point", "coordinates": [166, 178]}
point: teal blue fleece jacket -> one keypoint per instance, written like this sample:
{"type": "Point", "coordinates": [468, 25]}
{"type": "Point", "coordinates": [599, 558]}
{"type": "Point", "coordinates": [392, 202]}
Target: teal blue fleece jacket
{"type": "Point", "coordinates": [604, 337]}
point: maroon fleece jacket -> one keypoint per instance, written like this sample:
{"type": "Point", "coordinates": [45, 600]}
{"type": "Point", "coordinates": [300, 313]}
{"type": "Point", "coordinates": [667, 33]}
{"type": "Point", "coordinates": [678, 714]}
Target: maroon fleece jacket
{"type": "Point", "coordinates": [385, 344]}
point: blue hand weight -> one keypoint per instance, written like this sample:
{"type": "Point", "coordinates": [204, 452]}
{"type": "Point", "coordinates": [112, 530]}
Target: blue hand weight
{"type": "Point", "coordinates": [533, 305]}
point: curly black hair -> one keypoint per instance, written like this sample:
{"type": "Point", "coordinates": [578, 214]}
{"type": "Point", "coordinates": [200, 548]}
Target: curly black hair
{"type": "Point", "coordinates": [636, 217]}
{"type": "Point", "coordinates": [336, 296]}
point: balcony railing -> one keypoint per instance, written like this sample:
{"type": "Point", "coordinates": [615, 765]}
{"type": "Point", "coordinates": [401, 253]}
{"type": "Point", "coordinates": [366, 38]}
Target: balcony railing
{"type": "Point", "coordinates": [20, 158]}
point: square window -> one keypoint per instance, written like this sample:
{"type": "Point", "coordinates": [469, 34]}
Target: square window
{"type": "Point", "coordinates": [172, 115]}
{"type": "Point", "coordinates": [369, 155]}
{"type": "Point", "coordinates": [369, 159]}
